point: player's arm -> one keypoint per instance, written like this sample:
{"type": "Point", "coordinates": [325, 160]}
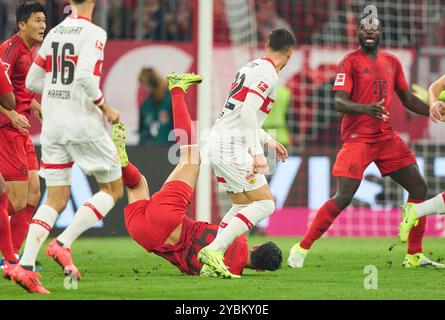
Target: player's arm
{"type": "Point", "coordinates": [346, 106]}
{"type": "Point", "coordinates": [344, 85]}
{"type": "Point", "coordinates": [273, 144]}
{"type": "Point", "coordinates": [35, 78]}
{"type": "Point", "coordinates": [409, 100]}
{"type": "Point", "coordinates": [87, 71]}
{"type": "Point", "coordinates": [435, 104]}
{"type": "Point", "coordinates": [18, 121]}
{"type": "Point", "coordinates": [37, 109]}
{"type": "Point", "coordinates": [7, 99]}
{"type": "Point", "coordinates": [249, 119]}
{"type": "Point", "coordinates": [413, 103]}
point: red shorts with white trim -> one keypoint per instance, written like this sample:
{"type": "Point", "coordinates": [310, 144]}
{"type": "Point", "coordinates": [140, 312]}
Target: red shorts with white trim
{"type": "Point", "coordinates": [389, 155]}
{"type": "Point", "coordinates": [150, 222]}
{"type": "Point", "coordinates": [17, 154]}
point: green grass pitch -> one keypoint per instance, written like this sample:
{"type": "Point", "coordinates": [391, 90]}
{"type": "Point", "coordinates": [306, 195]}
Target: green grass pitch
{"type": "Point", "coordinates": [117, 268]}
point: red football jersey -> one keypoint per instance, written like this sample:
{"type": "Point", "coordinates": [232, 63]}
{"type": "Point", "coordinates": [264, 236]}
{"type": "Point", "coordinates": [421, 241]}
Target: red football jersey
{"type": "Point", "coordinates": [195, 236]}
{"type": "Point", "coordinates": [17, 59]}
{"type": "Point", "coordinates": [368, 81]}
{"type": "Point", "coordinates": [5, 82]}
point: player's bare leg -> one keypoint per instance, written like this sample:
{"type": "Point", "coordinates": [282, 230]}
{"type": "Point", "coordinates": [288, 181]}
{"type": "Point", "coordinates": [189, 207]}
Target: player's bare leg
{"type": "Point", "coordinates": [248, 208]}
{"type": "Point", "coordinates": [18, 192]}
{"type": "Point", "coordinates": [93, 211]}
{"type": "Point", "coordinates": [412, 181]}
{"type": "Point", "coordinates": [325, 217]}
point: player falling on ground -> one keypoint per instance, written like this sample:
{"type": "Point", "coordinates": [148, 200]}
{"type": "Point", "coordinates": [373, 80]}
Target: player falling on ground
{"type": "Point", "coordinates": [366, 82]}
{"type": "Point", "coordinates": [414, 212]}
{"type": "Point", "coordinates": [160, 224]}
{"type": "Point", "coordinates": [18, 161]}
{"type": "Point", "coordinates": [67, 74]}
{"type": "Point", "coordinates": [236, 151]}
{"type": "Point", "coordinates": [7, 101]}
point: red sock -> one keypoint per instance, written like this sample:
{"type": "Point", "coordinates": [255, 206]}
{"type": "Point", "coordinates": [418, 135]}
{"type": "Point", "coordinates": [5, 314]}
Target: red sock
{"type": "Point", "coordinates": [20, 225]}
{"type": "Point", "coordinates": [416, 235]}
{"type": "Point", "coordinates": [323, 220]}
{"type": "Point", "coordinates": [130, 175]}
{"type": "Point", "coordinates": [182, 122]}
{"type": "Point", "coordinates": [5, 230]}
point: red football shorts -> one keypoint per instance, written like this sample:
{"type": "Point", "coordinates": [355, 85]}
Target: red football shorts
{"type": "Point", "coordinates": [150, 222]}
{"type": "Point", "coordinates": [390, 155]}
{"type": "Point", "coordinates": [17, 154]}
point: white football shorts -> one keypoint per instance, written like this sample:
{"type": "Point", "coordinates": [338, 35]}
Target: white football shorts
{"type": "Point", "coordinates": [98, 158]}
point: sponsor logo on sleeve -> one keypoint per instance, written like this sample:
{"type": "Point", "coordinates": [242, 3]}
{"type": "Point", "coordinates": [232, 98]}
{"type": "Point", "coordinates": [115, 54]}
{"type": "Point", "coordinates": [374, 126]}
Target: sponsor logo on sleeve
{"type": "Point", "coordinates": [263, 86]}
{"type": "Point", "coordinates": [340, 79]}
{"type": "Point", "coordinates": [99, 45]}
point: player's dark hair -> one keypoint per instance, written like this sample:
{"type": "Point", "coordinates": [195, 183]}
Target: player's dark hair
{"type": "Point", "coordinates": [79, 1]}
{"type": "Point", "coordinates": [25, 9]}
{"type": "Point", "coordinates": [266, 257]}
{"type": "Point", "coordinates": [281, 40]}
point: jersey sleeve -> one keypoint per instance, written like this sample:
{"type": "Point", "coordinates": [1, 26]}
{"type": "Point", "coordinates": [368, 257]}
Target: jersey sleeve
{"type": "Point", "coordinates": [5, 82]}
{"type": "Point", "coordinates": [263, 87]}
{"type": "Point", "coordinates": [400, 82]}
{"type": "Point", "coordinates": [35, 78]}
{"type": "Point", "coordinates": [90, 64]}
{"type": "Point", "coordinates": [345, 78]}
{"type": "Point", "coordinates": [9, 58]}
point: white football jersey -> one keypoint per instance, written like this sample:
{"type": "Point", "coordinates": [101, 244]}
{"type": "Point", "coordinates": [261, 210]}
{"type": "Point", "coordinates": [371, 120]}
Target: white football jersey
{"type": "Point", "coordinates": [72, 50]}
{"type": "Point", "coordinates": [257, 77]}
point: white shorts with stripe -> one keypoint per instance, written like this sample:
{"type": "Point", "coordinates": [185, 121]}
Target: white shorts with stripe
{"type": "Point", "coordinates": [98, 158]}
{"type": "Point", "coordinates": [233, 170]}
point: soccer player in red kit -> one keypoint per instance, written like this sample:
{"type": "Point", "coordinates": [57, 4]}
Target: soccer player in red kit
{"type": "Point", "coordinates": [7, 101]}
{"type": "Point", "coordinates": [18, 161]}
{"type": "Point", "coordinates": [160, 224]}
{"type": "Point", "coordinates": [367, 80]}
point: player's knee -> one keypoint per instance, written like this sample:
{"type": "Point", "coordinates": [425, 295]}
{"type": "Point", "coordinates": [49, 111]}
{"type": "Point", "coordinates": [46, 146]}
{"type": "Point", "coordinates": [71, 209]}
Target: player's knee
{"type": "Point", "coordinates": [114, 189]}
{"type": "Point", "coordinates": [342, 200]}
{"type": "Point", "coordinates": [18, 203]}
{"type": "Point", "coordinates": [34, 196]}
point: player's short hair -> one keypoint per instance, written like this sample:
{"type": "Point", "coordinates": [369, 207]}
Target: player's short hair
{"type": "Point", "coordinates": [281, 40]}
{"type": "Point", "coordinates": [267, 257]}
{"type": "Point", "coordinates": [79, 1]}
{"type": "Point", "coordinates": [26, 8]}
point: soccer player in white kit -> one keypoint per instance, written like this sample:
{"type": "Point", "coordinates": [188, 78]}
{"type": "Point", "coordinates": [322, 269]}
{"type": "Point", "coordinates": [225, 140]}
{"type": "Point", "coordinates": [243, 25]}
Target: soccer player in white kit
{"type": "Point", "coordinates": [67, 74]}
{"type": "Point", "coordinates": [236, 151]}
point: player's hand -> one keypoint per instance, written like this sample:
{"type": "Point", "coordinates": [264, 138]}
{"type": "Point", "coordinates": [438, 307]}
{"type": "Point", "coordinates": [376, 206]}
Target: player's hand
{"type": "Point", "coordinates": [280, 150]}
{"type": "Point", "coordinates": [435, 108]}
{"type": "Point", "coordinates": [376, 110]}
{"type": "Point", "coordinates": [260, 164]}
{"type": "Point", "coordinates": [38, 115]}
{"type": "Point", "coordinates": [111, 114]}
{"type": "Point", "coordinates": [19, 121]}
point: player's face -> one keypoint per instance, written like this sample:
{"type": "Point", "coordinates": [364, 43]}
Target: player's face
{"type": "Point", "coordinates": [369, 37]}
{"type": "Point", "coordinates": [35, 27]}
{"type": "Point", "coordinates": [288, 56]}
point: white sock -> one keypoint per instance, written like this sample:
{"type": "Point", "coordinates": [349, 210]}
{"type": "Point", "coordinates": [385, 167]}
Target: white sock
{"type": "Point", "coordinates": [241, 223]}
{"type": "Point", "coordinates": [236, 208]}
{"type": "Point", "coordinates": [39, 229]}
{"type": "Point", "coordinates": [432, 206]}
{"type": "Point", "coordinates": [93, 211]}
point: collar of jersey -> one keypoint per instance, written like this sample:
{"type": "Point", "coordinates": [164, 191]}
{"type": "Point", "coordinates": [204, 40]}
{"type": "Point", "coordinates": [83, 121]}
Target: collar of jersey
{"type": "Point", "coordinates": [270, 60]}
{"type": "Point", "coordinates": [80, 17]}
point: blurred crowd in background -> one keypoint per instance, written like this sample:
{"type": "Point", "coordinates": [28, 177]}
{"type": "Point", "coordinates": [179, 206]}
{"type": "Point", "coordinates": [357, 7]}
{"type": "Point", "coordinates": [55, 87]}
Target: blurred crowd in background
{"type": "Point", "coordinates": [312, 21]}
{"type": "Point", "coordinates": [307, 111]}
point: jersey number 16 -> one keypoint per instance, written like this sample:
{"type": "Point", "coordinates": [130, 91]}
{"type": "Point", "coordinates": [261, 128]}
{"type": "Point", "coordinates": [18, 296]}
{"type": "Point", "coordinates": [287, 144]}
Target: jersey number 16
{"type": "Point", "coordinates": [63, 63]}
